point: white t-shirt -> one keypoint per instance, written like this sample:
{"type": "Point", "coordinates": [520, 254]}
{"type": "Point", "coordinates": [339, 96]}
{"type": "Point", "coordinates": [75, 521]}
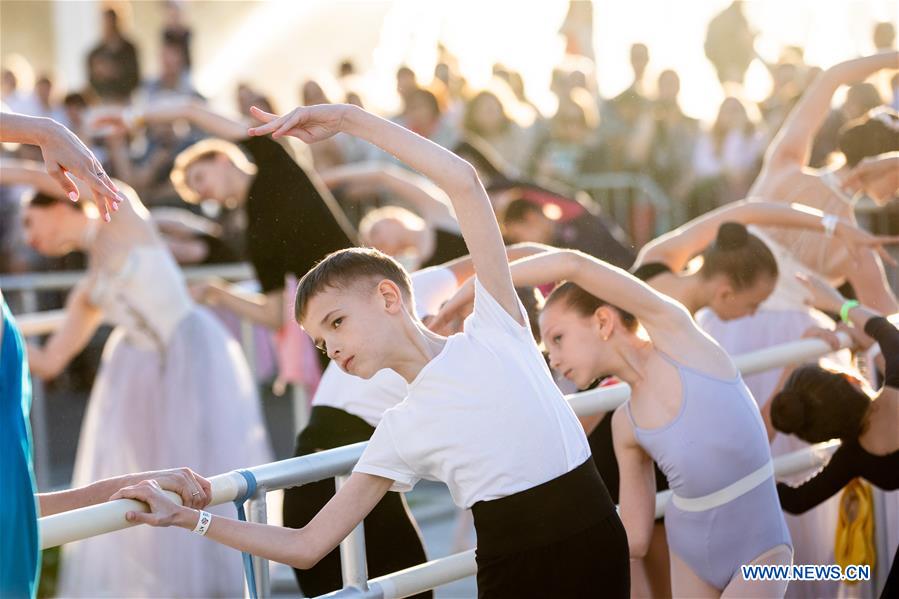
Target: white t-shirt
{"type": "Point", "coordinates": [368, 399]}
{"type": "Point", "coordinates": [483, 416]}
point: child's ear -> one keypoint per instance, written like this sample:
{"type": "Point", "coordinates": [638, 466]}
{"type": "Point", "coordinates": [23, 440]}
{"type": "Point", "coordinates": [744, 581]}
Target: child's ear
{"type": "Point", "coordinates": [605, 321]}
{"type": "Point", "coordinates": [390, 295]}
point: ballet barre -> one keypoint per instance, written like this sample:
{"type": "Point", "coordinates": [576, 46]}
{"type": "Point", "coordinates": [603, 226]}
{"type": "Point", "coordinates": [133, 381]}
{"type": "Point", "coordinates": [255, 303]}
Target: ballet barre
{"type": "Point", "coordinates": [434, 573]}
{"type": "Point", "coordinates": [99, 519]}
{"type": "Point", "coordinates": [90, 521]}
{"type": "Point", "coordinates": [110, 516]}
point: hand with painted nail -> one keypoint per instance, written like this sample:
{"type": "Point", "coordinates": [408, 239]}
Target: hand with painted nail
{"type": "Point", "coordinates": [308, 123]}
{"type": "Point", "coordinates": [65, 156]}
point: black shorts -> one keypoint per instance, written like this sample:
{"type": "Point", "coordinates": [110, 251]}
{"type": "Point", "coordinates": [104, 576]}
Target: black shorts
{"type": "Point", "coordinates": [562, 538]}
{"type": "Point", "coordinates": [392, 539]}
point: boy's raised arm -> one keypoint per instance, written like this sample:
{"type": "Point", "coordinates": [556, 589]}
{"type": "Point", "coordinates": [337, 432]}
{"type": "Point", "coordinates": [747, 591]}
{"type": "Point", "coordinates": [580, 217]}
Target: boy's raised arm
{"type": "Point", "coordinates": [452, 174]}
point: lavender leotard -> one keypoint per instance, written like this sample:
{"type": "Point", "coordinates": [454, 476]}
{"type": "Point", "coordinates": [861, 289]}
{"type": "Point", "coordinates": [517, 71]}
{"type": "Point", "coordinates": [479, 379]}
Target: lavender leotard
{"type": "Point", "coordinates": [716, 439]}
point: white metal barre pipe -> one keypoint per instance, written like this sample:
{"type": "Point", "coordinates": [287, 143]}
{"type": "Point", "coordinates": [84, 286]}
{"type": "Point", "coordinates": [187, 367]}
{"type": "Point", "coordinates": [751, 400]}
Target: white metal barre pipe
{"type": "Point", "coordinates": [39, 281]}
{"type": "Point", "coordinates": [429, 575]}
{"type": "Point", "coordinates": [414, 580]}
{"type": "Point", "coordinates": [296, 471]}
{"type": "Point", "coordinates": [106, 517]}
{"type": "Point", "coordinates": [285, 474]}
{"type": "Point", "coordinates": [786, 354]}
{"type": "Point", "coordinates": [353, 560]}
{"type": "Point", "coordinates": [606, 399]}
{"type": "Point", "coordinates": [85, 522]}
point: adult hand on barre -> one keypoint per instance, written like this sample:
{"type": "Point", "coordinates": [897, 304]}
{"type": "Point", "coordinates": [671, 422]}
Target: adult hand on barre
{"type": "Point", "coordinates": [860, 341]}
{"type": "Point", "coordinates": [194, 490]}
{"type": "Point", "coordinates": [308, 123]}
{"type": "Point", "coordinates": [163, 511]}
{"type": "Point", "coordinates": [828, 336]}
{"type": "Point", "coordinates": [204, 292]}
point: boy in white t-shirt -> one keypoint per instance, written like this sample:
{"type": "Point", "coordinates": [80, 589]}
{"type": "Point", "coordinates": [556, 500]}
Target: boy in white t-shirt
{"type": "Point", "coordinates": [482, 413]}
{"type": "Point", "coordinates": [345, 410]}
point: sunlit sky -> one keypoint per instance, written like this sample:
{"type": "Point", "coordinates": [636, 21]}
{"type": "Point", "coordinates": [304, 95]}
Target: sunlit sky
{"type": "Point", "coordinates": [274, 45]}
{"type": "Point", "coordinates": [523, 34]}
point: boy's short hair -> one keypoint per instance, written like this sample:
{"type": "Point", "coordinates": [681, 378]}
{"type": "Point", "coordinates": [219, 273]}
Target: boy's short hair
{"type": "Point", "coordinates": [206, 149]}
{"type": "Point", "coordinates": [345, 268]}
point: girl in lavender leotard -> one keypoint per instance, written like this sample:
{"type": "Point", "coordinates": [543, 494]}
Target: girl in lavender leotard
{"type": "Point", "coordinates": [689, 412]}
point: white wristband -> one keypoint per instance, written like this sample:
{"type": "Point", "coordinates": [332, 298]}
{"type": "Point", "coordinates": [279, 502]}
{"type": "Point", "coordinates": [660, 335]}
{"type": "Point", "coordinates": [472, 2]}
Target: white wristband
{"type": "Point", "coordinates": [203, 523]}
{"type": "Point", "coordinates": [830, 222]}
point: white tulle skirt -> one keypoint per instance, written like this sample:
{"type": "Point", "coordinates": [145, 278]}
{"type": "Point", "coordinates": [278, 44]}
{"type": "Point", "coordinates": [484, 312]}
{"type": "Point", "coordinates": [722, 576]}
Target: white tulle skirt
{"type": "Point", "coordinates": [192, 404]}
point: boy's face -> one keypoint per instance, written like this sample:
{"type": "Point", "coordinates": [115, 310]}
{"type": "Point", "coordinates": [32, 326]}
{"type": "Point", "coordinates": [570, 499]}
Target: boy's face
{"type": "Point", "coordinates": [352, 326]}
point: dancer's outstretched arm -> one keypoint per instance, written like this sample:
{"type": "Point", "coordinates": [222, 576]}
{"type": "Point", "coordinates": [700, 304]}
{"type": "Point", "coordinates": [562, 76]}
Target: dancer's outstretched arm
{"type": "Point", "coordinates": [82, 319]}
{"type": "Point", "coordinates": [676, 248]}
{"type": "Point", "coordinates": [668, 323]}
{"type": "Point", "coordinates": [266, 309]}
{"type": "Point", "coordinates": [301, 548]}
{"type": "Point", "coordinates": [191, 110]}
{"type": "Point", "coordinates": [64, 154]}
{"type": "Point", "coordinates": [601, 279]}
{"type": "Point", "coordinates": [868, 277]}
{"type": "Point", "coordinates": [195, 491]}
{"type": "Point", "coordinates": [429, 202]}
{"type": "Point", "coordinates": [793, 143]}
{"type": "Point", "coordinates": [453, 175]}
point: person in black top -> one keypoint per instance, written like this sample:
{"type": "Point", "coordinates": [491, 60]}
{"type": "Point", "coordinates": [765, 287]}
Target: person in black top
{"type": "Point", "coordinates": [817, 405]}
{"type": "Point", "coordinates": [192, 239]}
{"type": "Point", "coordinates": [292, 222]}
{"type": "Point", "coordinates": [429, 236]}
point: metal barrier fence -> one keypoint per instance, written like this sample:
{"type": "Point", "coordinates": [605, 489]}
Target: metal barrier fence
{"type": "Point", "coordinates": [99, 519]}
{"type": "Point", "coordinates": [621, 194]}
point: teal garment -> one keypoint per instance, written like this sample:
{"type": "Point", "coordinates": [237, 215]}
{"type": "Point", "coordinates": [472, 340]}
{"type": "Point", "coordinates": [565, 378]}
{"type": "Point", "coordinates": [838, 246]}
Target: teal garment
{"type": "Point", "coordinates": [19, 551]}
